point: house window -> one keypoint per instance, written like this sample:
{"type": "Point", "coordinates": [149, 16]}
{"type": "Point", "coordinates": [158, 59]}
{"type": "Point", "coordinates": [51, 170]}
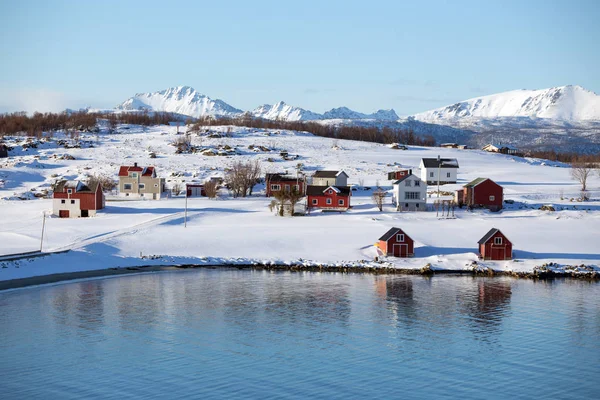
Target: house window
{"type": "Point", "coordinates": [417, 183]}
{"type": "Point", "coordinates": [330, 191]}
{"type": "Point", "coordinates": [276, 188]}
{"type": "Point", "coordinates": [411, 196]}
{"type": "Point", "coordinates": [328, 201]}
{"type": "Point", "coordinates": [407, 182]}
{"type": "Point", "coordinates": [315, 201]}
{"type": "Point", "coordinates": [492, 198]}
{"type": "Point", "coordinates": [498, 240]}
{"type": "Point", "coordinates": [297, 188]}
{"type": "Point", "coordinates": [447, 174]}
{"type": "Point", "coordinates": [431, 174]}
{"type": "Point", "coordinates": [62, 202]}
{"type": "Point", "coordinates": [142, 185]}
{"type": "Point", "coordinates": [400, 237]}
{"type": "Point", "coordinates": [134, 175]}
{"type": "Point", "coordinates": [341, 202]}
{"type": "Point", "coordinates": [69, 191]}
{"type": "Point", "coordinates": [72, 201]}
{"type": "Point", "coordinates": [127, 186]}
{"type": "Point", "coordinates": [156, 185]}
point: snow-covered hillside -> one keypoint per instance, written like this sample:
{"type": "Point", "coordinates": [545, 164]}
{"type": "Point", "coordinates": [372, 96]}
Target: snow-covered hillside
{"type": "Point", "coordinates": [572, 103]}
{"type": "Point", "coordinates": [182, 100]}
{"type": "Point", "coordinates": [125, 229]}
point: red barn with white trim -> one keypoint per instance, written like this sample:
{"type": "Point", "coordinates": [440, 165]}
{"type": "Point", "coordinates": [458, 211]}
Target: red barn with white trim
{"type": "Point", "coordinates": [495, 246]}
{"type": "Point", "coordinates": [396, 243]}
{"type": "Point", "coordinates": [335, 198]}
{"type": "Point", "coordinates": [73, 199]}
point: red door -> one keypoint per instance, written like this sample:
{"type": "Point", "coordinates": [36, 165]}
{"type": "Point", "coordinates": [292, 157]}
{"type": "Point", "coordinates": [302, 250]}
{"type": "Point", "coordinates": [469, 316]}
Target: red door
{"type": "Point", "coordinates": [63, 213]}
{"type": "Point", "coordinates": [497, 253]}
{"type": "Point", "coordinates": [400, 250]}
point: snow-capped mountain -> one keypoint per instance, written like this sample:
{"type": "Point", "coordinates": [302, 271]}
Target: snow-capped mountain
{"type": "Point", "coordinates": [346, 113]}
{"type": "Point", "coordinates": [284, 112]}
{"type": "Point", "coordinates": [182, 100]}
{"type": "Point", "coordinates": [571, 103]}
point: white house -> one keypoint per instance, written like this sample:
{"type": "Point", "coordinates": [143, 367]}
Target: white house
{"type": "Point", "coordinates": [447, 168]}
{"type": "Point", "coordinates": [330, 178]}
{"type": "Point", "coordinates": [410, 194]}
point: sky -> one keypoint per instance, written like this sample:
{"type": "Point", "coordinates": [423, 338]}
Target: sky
{"type": "Point", "coordinates": [411, 56]}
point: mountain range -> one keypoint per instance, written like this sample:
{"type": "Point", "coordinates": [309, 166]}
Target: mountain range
{"type": "Point", "coordinates": [565, 117]}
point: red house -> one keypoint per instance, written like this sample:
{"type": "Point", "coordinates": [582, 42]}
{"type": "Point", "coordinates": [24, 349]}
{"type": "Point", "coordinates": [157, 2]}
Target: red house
{"type": "Point", "coordinates": [495, 246]}
{"type": "Point", "coordinates": [396, 175]}
{"type": "Point", "coordinates": [281, 182]}
{"type": "Point", "coordinates": [73, 199]}
{"type": "Point", "coordinates": [395, 243]}
{"type": "Point", "coordinates": [194, 190]}
{"type": "Point", "coordinates": [481, 192]}
{"type": "Point", "coordinates": [335, 198]}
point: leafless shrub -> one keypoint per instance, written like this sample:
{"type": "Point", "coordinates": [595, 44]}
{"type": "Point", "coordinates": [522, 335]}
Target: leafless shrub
{"type": "Point", "coordinates": [211, 188]}
{"type": "Point", "coordinates": [379, 197]}
{"type": "Point", "coordinates": [183, 143]}
{"type": "Point", "coordinates": [176, 189]}
{"type": "Point", "coordinates": [581, 171]}
{"type": "Point", "coordinates": [106, 182]}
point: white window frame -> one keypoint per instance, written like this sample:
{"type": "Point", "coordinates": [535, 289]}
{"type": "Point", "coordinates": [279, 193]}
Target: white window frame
{"type": "Point", "coordinates": [134, 174]}
{"type": "Point", "coordinates": [447, 174]}
{"type": "Point", "coordinates": [63, 202]}
{"type": "Point", "coordinates": [328, 201]}
{"type": "Point", "coordinates": [340, 202]}
{"type": "Point", "coordinates": [492, 198]}
{"type": "Point", "coordinates": [70, 191]}
{"type": "Point", "coordinates": [417, 183]}
{"type": "Point", "coordinates": [142, 186]}
{"type": "Point", "coordinates": [330, 191]}
{"type": "Point", "coordinates": [431, 174]}
{"type": "Point", "coordinates": [156, 185]}
{"type": "Point", "coordinates": [400, 237]}
{"type": "Point", "coordinates": [497, 240]}
{"type": "Point", "coordinates": [275, 187]}
{"type": "Point", "coordinates": [315, 202]}
{"type": "Point", "coordinates": [297, 188]}
{"type": "Point", "coordinates": [72, 201]}
{"type": "Point", "coordinates": [127, 188]}
{"type": "Point", "coordinates": [407, 183]}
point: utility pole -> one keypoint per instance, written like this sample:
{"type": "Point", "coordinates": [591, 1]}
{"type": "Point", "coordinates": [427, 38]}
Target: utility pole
{"type": "Point", "coordinates": [43, 227]}
{"type": "Point", "coordinates": [439, 172]}
{"type": "Point", "coordinates": [185, 214]}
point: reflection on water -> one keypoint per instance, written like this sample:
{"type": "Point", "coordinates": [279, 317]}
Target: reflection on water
{"type": "Point", "coordinates": [248, 334]}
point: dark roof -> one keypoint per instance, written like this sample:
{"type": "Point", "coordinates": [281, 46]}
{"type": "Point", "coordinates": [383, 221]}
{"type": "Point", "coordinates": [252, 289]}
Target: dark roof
{"type": "Point", "coordinates": [328, 174]}
{"type": "Point", "coordinates": [389, 234]}
{"type": "Point", "coordinates": [79, 186]}
{"type": "Point", "coordinates": [489, 235]}
{"type": "Point", "coordinates": [434, 162]}
{"type": "Point", "coordinates": [404, 177]}
{"type": "Point", "coordinates": [312, 190]}
{"type": "Point", "coordinates": [277, 177]}
{"type": "Point", "coordinates": [475, 182]}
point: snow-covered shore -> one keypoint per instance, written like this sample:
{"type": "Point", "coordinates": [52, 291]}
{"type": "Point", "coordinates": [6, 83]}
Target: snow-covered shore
{"type": "Point", "coordinates": [243, 231]}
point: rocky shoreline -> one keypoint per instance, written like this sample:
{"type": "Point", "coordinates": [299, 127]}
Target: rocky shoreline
{"type": "Point", "coordinates": [544, 272]}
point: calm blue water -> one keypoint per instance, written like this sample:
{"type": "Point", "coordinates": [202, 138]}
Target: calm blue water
{"type": "Point", "coordinates": [210, 334]}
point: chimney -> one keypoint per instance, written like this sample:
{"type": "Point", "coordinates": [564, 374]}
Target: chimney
{"type": "Point", "coordinates": [410, 171]}
{"type": "Point", "coordinates": [135, 164]}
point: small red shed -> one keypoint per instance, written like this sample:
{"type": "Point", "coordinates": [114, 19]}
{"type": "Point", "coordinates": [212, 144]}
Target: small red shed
{"type": "Point", "coordinates": [396, 243]}
{"type": "Point", "coordinates": [335, 198]}
{"type": "Point", "coordinates": [194, 190]}
{"type": "Point", "coordinates": [495, 246]}
{"type": "Point", "coordinates": [481, 192]}
{"type": "Point", "coordinates": [399, 174]}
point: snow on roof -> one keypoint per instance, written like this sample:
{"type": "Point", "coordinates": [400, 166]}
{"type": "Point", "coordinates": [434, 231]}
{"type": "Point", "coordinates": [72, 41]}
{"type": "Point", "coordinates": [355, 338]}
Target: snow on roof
{"type": "Point", "coordinates": [440, 162]}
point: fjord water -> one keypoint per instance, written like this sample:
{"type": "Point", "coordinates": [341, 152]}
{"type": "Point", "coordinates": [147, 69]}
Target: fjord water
{"type": "Point", "coordinates": [210, 334]}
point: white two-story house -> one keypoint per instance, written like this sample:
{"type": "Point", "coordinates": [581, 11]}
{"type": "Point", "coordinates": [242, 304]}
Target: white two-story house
{"type": "Point", "coordinates": [410, 194]}
{"type": "Point", "coordinates": [444, 170]}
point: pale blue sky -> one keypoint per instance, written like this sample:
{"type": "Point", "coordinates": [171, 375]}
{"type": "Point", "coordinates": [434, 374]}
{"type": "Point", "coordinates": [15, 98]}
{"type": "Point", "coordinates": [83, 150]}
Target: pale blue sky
{"type": "Point", "coordinates": [408, 55]}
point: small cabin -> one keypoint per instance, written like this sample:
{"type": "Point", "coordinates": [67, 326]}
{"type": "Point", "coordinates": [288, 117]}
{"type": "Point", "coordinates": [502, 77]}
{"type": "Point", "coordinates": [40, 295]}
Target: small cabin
{"type": "Point", "coordinates": [395, 243]}
{"type": "Point", "coordinates": [399, 174]}
{"type": "Point", "coordinates": [195, 190]}
{"type": "Point", "coordinates": [495, 246]}
{"type": "Point", "coordinates": [481, 193]}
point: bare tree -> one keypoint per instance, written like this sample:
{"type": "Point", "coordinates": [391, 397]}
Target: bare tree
{"type": "Point", "coordinates": [242, 177]}
{"type": "Point", "coordinates": [581, 171]}
{"type": "Point", "coordinates": [379, 197]}
{"type": "Point", "coordinates": [176, 189]}
{"type": "Point", "coordinates": [211, 188]}
{"type": "Point", "coordinates": [106, 182]}
{"type": "Point", "coordinates": [282, 200]}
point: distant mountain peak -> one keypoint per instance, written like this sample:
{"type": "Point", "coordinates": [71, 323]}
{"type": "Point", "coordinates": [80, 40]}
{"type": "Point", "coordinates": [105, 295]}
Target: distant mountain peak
{"type": "Point", "coordinates": [571, 102]}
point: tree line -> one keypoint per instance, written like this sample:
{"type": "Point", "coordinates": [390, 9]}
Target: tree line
{"type": "Point", "coordinates": [19, 123]}
{"type": "Point", "coordinates": [373, 134]}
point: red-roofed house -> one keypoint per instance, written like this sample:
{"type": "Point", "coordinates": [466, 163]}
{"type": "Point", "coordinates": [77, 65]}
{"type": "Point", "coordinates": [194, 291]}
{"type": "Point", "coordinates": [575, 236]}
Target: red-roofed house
{"type": "Point", "coordinates": [140, 182]}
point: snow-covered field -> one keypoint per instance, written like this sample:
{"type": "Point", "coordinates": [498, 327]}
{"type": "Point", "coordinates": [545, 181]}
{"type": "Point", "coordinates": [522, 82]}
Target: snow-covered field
{"type": "Point", "coordinates": [231, 230]}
